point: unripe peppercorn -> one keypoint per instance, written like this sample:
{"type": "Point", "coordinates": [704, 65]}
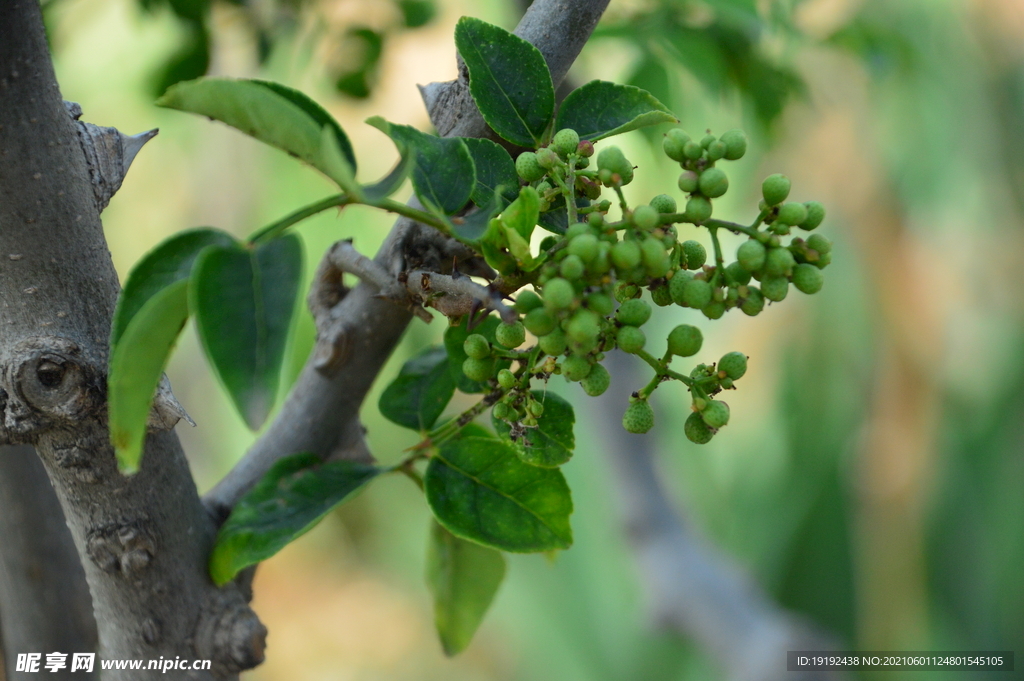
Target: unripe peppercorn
{"type": "Point", "coordinates": [601, 303]}
{"type": "Point", "coordinates": [597, 381]}
{"type": "Point", "coordinates": [602, 263]}
{"type": "Point", "coordinates": [553, 343]}
{"type": "Point", "coordinates": [792, 213]}
{"type": "Point", "coordinates": [595, 220]}
{"type": "Point", "coordinates": [735, 274]}
{"type": "Point", "coordinates": [694, 254]}
{"type": "Point", "coordinates": [661, 296]}
{"type": "Point", "coordinates": [714, 310]}
{"type": "Point", "coordinates": [715, 414]}
{"type": "Point", "coordinates": [506, 379]}
{"type": "Point", "coordinates": [639, 417]}
{"type": "Point", "coordinates": [697, 294]}
{"type": "Point", "coordinates": [614, 160]}
{"type": "Point", "coordinates": [692, 150]}
{"type": "Point", "coordinates": [572, 267]}
{"type": "Point", "coordinates": [559, 294]}
{"type": "Point", "coordinates": [688, 181]}
{"type": "Point", "coordinates": [575, 367]}
{"type": "Point", "coordinates": [535, 408]}
{"type": "Point", "coordinates": [733, 365]}
{"type": "Point", "coordinates": [526, 301]}
{"type": "Point", "coordinates": [624, 291]}
{"type": "Point", "coordinates": [685, 340]}
{"type": "Point", "coordinates": [634, 312]}
{"type": "Point", "coordinates": [478, 369]}
{"type": "Point", "coordinates": [501, 411]}
{"type": "Point", "coordinates": [631, 339]}
{"type": "Point", "coordinates": [547, 158]}
{"type": "Point", "coordinates": [708, 140]}
{"type": "Point", "coordinates": [716, 150]}
{"type": "Point", "coordinates": [775, 288]}
{"type": "Point", "coordinates": [674, 143]}
{"type": "Point", "coordinates": [584, 247]}
{"type": "Point", "coordinates": [735, 144]}
{"type": "Point", "coordinates": [753, 303]}
{"type": "Point", "coordinates": [779, 262]}
{"type": "Point", "coordinates": [528, 167]}
{"type": "Point", "coordinates": [698, 209]}
{"type": "Point", "coordinates": [663, 203]}
{"type": "Point", "coordinates": [696, 430]}
{"type": "Point", "coordinates": [751, 255]}
{"type": "Point", "coordinates": [677, 285]}
{"type": "Point", "coordinates": [583, 327]}
{"type": "Point", "coordinates": [577, 229]}
{"type": "Point", "coordinates": [824, 261]}
{"type": "Point", "coordinates": [819, 243]}
{"type": "Point", "coordinates": [645, 217]}
{"type": "Point", "coordinates": [566, 141]}
{"type": "Point", "coordinates": [655, 258]}
{"type": "Point", "coordinates": [626, 255]}
{"type": "Point", "coordinates": [775, 189]}
{"type": "Point", "coordinates": [539, 322]}
{"type": "Point", "coordinates": [808, 278]}
{"type": "Point", "coordinates": [476, 346]}
{"type": "Point", "coordinates": [815, 215]}
{"type": "Point", "coordinates": [713, 183]}
{"type": "Point", "coordinates": [510, 335]}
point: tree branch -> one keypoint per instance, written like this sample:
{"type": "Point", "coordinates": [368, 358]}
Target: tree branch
{"type": "Point", "coordinates": [320, 415]}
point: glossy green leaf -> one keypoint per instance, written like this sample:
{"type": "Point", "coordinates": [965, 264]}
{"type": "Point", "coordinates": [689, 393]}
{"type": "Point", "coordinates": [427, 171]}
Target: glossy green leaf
{"type": "Point", "coordinates": [601, 109]}
{"type": "Point", "coordinates": [523, 213]}
{"type": "Point", "coordinates": [495, 170]}
{"type": "Point", "coordinates": [463, 578]}
{"type": "Point", "coordinates": [136, 366]}
{"type": "Point", "coordinates": [288, 501]}
{"type": "Point", "coordinates": [556, 218]}
{"type": "Point", "coordinates": [166, 264]}
{"type": "Point", "coordinates": [454, 337]}
{"type": "Point", "coordinates": [243, 300]}
{"type": "Point", "coordinates": [480, 490]}
{"type": "Point", "coordinates": [508, 79]}
{"type": "Point", "coordinates": [552, 442]}
{"type": "Point", "coordinates": [443, 176]}
{"type": "Point", "coordinates": [270, 112]}
{"type": "Point", "coordinates": [423, 388]}
{"type": "Point", "coordinates": [393, 180]}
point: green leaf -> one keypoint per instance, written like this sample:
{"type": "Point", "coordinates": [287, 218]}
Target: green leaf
{"type": "Point", "coordinates": [495, 170]}
{"type": "Point", "coordinates": [552, 442]}
{"type": "Point", "coordinates": [393, 180]}
{"type": "Point", "coordinates": [418, 396]}
{"type": "Point", "coordinates": [479, 490]}
{"type": "Point", "coordinates": [454, 337]}
{"type": "Point", "coordinates": [166, 264]}
{"type": "Point", "coordinates": [288, 501]}
{"type": "Point", "coordinates": [443, 176]}
{"type": "Point", "coordinates": [243, 300]}
{"type": "Point", "coordinates": [556, 218]}
{"type": "Point", "coordinates": [472, 227]}
{"type": "Point", "coordinates": [523, 213]}
{"type": "Point", "coordinates": [463, 578]}
{"type": "Point", "coordinates": [601, 109]}
{"type": "Point", "coordinates": [509, 81]}
{"type": "Point", "coordinates": [270, 112]}
{"type": "Point", "coordinates": [136, 366]}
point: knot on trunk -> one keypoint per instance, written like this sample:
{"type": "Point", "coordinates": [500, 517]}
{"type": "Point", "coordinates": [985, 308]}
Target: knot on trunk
{"type": "Point", "coordinates": [229, 633]}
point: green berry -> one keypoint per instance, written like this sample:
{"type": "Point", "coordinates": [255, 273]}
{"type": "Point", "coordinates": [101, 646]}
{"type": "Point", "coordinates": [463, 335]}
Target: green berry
{"type": "Point", "coordinates": [506, 379]}
{"type": "Point", "coordinates": [634, 312]}
{"type": "Point", "coordinates": [733, 364]}
{"type": "Point", "coordinates": [528, 167]}
{"type": "Point", "coordinates": [501, 411]}
{"type": "Point", "coordinates": [655, 258]}
{"type": "Point", "coordinates": [645, 217]}
{"type": "Point", "coordinates": [736, 275]}
{"type": "Point", "coordinates": [548, 158]}
{"type": "Point", "coordinates": [688, 181]}
{"type": "Point", "coordinates": [661, 295]}
{"type": "Point", "coordinates": [714, 310]}
{"type": "Point", "coordinates": [559, 294]}
{"type": "Point", "coordinates": [716, 150]}
{"type": "Point", "coordinates": [713, 183]}
{"type": "Point", "coordinates": [578, 229]}
{"type": "Point", "coordinates": [584, 326]}
{"type": "Point", "coordinates": [639, 417]}
{"type": "Point", "coordinates": [476, 347]}
{"type": "Point", "coordinates": [631, 339]}
{"type": "Point", "coordinates": [751, 255]}
{"type": "Point", "coordinates": [819, 243]}
{"type": "Point", "coordinates": [808, 278]}
{"type": "Point", "coordinates": [779, 262]}
{"type": "Point", "coordinates": [696, 430]}
{"type": "Point", "coordinates": [612, 158]}
{"type": "Point", "coordinates": [694, 254]}
{"type": "Point", "coordinates": [597, 381]}
{"type": "Point", "coordinates": [601, 303]}
{"type": "Point", "coordinates": [572, 267]}
{"type": "Point", "coordinates": [583, 247]}
{"type": "Point", "coordinates": [775, 288]}
{"type": "Point", "coordinates": [775, 189]}
{"type": "Point", "coordinates": [595, 220]}
{"type": "Point", "coordinates": [566, 141]}
{"type": "Point", "coordinates": [685, 340]}
{"type": "Point", "coordinates": [792, 213]}
{"type": "Point", "coordinates": [554, 343]}
{"type": "Point", "coordinates": [697, 294]}
{"type": "Point", "coordinates": [698, 209]}
{"type": "Point", "coordinates": [535, 408]}
{"type": "Point", "coordinates": [526, 301]}
{"type": "Point", "coordinates": [575, 367]}
{"type": "Point", "coordinates": [753, 303]}
{"type": "Point", "coordinates": [674, 143]}
{"type": "Point", "coordinates": [815, 215]}
{"type": "Point", "coordinates": [692, 150]}
{"type": "Point", "coordinates": [539, 322]}
{"type": "Point", "coordinates": [510, 335]}
{"type": "Point", "coordinates": [602, 263]}
{"type": "Point", "coordinates": [663, 203]}
{"type": "Point", "coordinates": [626, 255]}
{"type": "Point", "coordinates": [708, 140]}
{"type": "Point", "coordinates": [677, 284]}
{"type": "Point", "coordinates": [478, 369]}
{"type": "Point", "coordinates": [735, 144]}
{"type": "Point", "coordinates": [625, 291]}
{"type": "Point", "coordinates": [715, 414]}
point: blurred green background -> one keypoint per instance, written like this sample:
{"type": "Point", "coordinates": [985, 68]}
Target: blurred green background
{"type": "Point", "coordinates": [873, 476]}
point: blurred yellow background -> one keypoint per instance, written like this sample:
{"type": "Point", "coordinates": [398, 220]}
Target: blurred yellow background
{"type": "Point", "coordinates": [872, 478]}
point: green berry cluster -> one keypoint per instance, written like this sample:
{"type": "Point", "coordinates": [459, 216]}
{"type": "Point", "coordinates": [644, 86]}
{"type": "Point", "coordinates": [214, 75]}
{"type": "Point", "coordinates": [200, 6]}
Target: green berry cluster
{"type": "Point", "coordinates": [588, 283]}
